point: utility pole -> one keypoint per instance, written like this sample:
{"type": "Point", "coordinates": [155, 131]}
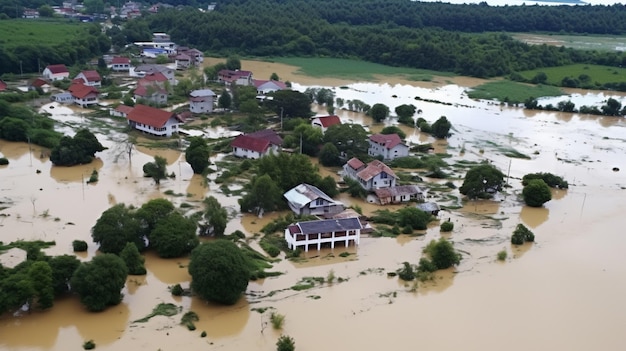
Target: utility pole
{"type": "Point", "coordinates": [508, 174]}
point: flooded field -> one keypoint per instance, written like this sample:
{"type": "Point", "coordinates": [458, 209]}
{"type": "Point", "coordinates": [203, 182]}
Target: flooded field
{"type": "Point", "coordinates": [563, 292]}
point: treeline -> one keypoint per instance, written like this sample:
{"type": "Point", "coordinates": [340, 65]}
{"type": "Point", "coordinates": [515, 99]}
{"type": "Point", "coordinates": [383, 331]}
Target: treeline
{"type": "Point", "coordinates": [296, 28]}
{"type": "Point", "coordinates": [88, 43]}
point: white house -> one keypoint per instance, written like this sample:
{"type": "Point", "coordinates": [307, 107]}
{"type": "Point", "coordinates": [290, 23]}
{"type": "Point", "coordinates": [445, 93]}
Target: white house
{"type": "Point", "coordinates": [202, 101]}
{"type": "Point", "coordinates": [182, 61]}
{"type": "Point", "coordinates": [55, 72]}
{"type": "Point", "coordinates": [306, 199]}
{"type": "Point", "coordinates": [389, 146]}
{"type": "Point", "coordinates": [329, 231]}
{"type": "Point", "coordinates": [84, 95]}
{"type": "Point", "coordinates": [143, 71]}
{"type": "Point", "coordinates": [153, 120]}
{"type": "Point", "coordinates": [120, 111]}
{"type": "Point", "coordinates": [264, 87]}
{"type": "Point", "coordinates": [230, 77]}
{"type": "Point", "coordinates": [400, 193]}
{"type": "Point", "coordinates": [324, 122]}
{"type": "Point", "coordinates": [90, 77]}
{"type": "Point", "coordinates": [151, 92]}
{"type": "Point", "coordinates": [120, 64]}
{"type": "Point", "coordinates": [257, 144]}
{"type": "Point", "coordinates": [374, 175]}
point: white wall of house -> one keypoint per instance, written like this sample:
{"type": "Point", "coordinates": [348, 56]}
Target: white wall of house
{"type": "Point", "coordinates": [205, 106]}
{"type": "Point", "coordinates": [118, 67]}
{"type": "Point", "coordinates": [381, 180]}
{"type": "Point", "coordinates": [86, 101]}
{"type": "Point", "coordinates": [245, 153]}
{"type": "Point", "coordinates": [156, 98]}
{"type": "Point", "coordinates": [301, 240]}
{"type": "Point", "coordinates": [88, 83]}
{"type": "Point", "coordinates": [170, 127]}
{"type": "Point", "coordinates": [399, 150]}
{"type": "Point", "coordinates": [51, 76]}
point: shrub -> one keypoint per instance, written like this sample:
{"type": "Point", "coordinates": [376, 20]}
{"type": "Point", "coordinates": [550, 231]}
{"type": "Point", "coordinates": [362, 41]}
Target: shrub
{"type": "Point", "coordinates": [552, 180]}
{"type": "Point", "coordinates": [521, 234]}
{"type": "Point", "coordinates": [442, 253]}
{"type": "Point", "coordinates": [79, 245]}
{"type": "Point", "coordinates": [330, 277]}
{"type": "Point", "coordinates": [502, 255]}
{"type": "Point", "coordinates": [285, 343]}
{"type": "Point", "coordinates": [203, 335]}
{"type": "Point", "coordinates": [426, 265]}
{"type": "Point", "coordinates": [4, 161]}
{"type": "Point", "coordinates": [188, 319]}
{"type": "Point", "coordinates": [277, 320]}
{"type": "Point", "coordinates": [446, 226]}
{"type": "Point", "coordinates": [536, 193]}
{"type": "Point", "coordinates": [177, 290]}
{"type": "Point", "coordinates": [406, 273]}
{"type": "Point", "coordinates": [89, 345]}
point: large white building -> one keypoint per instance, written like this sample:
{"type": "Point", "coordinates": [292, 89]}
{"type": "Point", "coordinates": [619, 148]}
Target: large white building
{"type": "Point", "coordinates": [328, 231]}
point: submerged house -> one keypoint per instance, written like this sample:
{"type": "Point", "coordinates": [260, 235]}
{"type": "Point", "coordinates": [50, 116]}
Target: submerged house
{"type": "Point", "coordinates": [257, 144]}
{"type": "Point", "coordinates": [400, 193]}
{"type": "Point", "coordinates": [324, 122]}
{"type": "Point", "coordinates": [389, 146]}
{"type": "Point", "coordinates": [429, 207]}
{"type": "Point", "coordinates": [84, 95]}
{"type": "Point", "coordinates": [202, 101]}
{"type": "Point", "coordinates": [306, 199]}
{"type": "Point", "coordinates": [371, 176]}
{"type": "Point", "coordinates": [327, 231]}
{"type": "Point", "coordinates": [153, 120]}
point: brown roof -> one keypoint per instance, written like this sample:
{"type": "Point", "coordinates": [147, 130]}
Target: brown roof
{"type": "Point", "coordinates": [150, 116]}
{"type": "Point", "coordinates": [142, 90]}
{"type": "Point", "coordinates": [124, 109]}
{"type": "Point", "coordinates": [328, 121]}
{"type": "Point", "coordinates": [57, 69]}
{"type": "Point", "coordinates": [91, 76]}
{"type": "Point", "coordinates": [259, 82]}
{"type": "Point", "coordinates": [120, 60]}
{"type": "Point", "coordinates": [154, 77]}
{"type": "Point", "coordinates": [268, 135]}
{"type": "Point", "coordinates": [373, 169]}
{"type": "Point", "coordinates": [389, 141]}
{"type": "Point", "coordinates": [183, 57]}
{"type": "Point", "coordinates": [355, 163]}
{"type": "Point", "coordinates": [399, 190]}
{"type": "Point", "coordinates": [229, 75]}
{"type": "Point", "coordinates": [251, 143]}
{"type": "Point", "coordinates": [38, 83]}
{"type": "Point", "coordinates": [81, 91]}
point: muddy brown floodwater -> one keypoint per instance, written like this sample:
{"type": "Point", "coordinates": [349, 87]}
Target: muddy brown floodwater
{"type": "Point", "coordinates": [564, 292]}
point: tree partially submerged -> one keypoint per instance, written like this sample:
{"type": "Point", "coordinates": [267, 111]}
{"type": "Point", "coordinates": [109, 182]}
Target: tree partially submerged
{"type": "Point", "coordinates": [100, 281]}
{"type": "Point", "coordinates": [536, 193]}
{"type": "Point", "coordinates": [116, 227]}
{"type": "Point", "coordinates": [79, 149]}
{"type": "Point", "coordinates": [197, 155]}
{"type": "Point", "coordinates": [156, 170]}
{"type": "Point", "coordinates": [522, 234]}
{"type": "Point", "coordinates": [482, 181]}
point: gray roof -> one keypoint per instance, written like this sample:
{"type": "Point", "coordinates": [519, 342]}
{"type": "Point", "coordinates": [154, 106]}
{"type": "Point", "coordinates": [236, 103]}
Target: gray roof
{"type": "Point", "coordinates": [303, 194]}
{"type": "Point", "coordinates": [202, 92]}
{"type": "Point", "coordinates": [330, 225]}
{"type": "Point", "coordinates": [428, 206]}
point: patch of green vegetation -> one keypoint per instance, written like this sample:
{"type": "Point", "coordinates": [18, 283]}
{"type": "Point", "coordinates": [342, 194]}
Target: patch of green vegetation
{"type": "Point", "coordinates": [513, 92]}
{"type": "Point", "coordinates": [597, 74]}
{"type": "Point", "coordinates": [353, 69]}
{"type": "Point", "coordinates": [39, 33]}
{"type": "Point", "coordinates": [314, 297]}
{"type": "Point", "coordinates": [162, 309]}
{"type": "Point", "coordinates": [188, 320]}
{"type": "Point", "coordinates": [89, 345]}
{"type": "Point", "coordinates": [509, 152]}
{"type": "Point", "coordinates": [307, 283]}
{"type": "Point", "coordinates": [27, 245]}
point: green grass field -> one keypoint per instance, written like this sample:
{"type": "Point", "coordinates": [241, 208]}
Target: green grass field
{"type": "Point", "coordinates": [513, 92]}
{"type": "Point", "coordinates": [599, 74]}
{"type": "Point", "coordinates": [351, 69]}
{"type": "Point", "coordinates": [38, 32]}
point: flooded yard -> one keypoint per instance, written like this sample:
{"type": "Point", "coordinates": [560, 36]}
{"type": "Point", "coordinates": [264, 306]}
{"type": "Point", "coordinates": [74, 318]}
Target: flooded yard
{"type": "Point", "coordinates": [563, 292]}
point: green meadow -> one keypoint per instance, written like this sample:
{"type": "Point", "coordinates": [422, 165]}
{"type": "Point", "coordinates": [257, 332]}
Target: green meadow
{"type": "Point", "coordinates": [599, 75]}
{"type": "Point", "coordinates": [354, 69]}
{"type": "Point", "coordinates": [38, 32]}
{"type": "Point", "coordinates": [513, 92]}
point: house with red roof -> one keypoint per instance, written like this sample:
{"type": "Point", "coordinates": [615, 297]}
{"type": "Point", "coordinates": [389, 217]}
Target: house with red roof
{"type": "Point", "coordinates": [120, 64]}
{"type": "Point", "coordinates": [371, 176]}
{"type": "Point", "coordinates": [84, 95]}
{"type": "Point", "coordinates": [3, 85]}
{"type": "Point", "coordinates": [121, 111]}
{"type": "Point", "coordinates": [40, 83]}
{"type": "Point", "coordinates": [264, 87]}
{"type": "Point", "coordinates": [90, 77]}
{"type": "Point", "coordinates": [55, 72]}
{"type": "Point", "coordinates": [153, 120]}
{"type": "Point", "coordinates": [323, 122]}
{"type": "Point", "coordinates": [237, 77]}
{"type": "Point", "coordinates": [151, 93]}
{"type": "Point", "coordinates": [389, 146]}
{"type": "Point", "coordinates": [256, 145]}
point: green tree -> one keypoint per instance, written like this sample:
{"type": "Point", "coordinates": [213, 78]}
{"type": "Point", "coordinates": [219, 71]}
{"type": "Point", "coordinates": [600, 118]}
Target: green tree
{"type": "Point", "coordinates": [264, 195]}
{"type": "Point", "coordinates": [413, 217]}
{"type": "Point", "coordinates": [174, 236]}
{"type": "Point", "coordinates": [536, 193]}
{"type": "Point", "coordinates": [274, 76]}
{"type": "Point", "coordinates": [219, 271]}
{"type": "Point", "coordinates": [224, 100]}
{"type": "Point", "coordinates": [441, 128]}
{"type": "Point", "coordinates": [379, 112]}
{"type": "Point", "coordinates": [15, 291]}
{"type": "Point", "coordinates": [611, 108]}
{"type": "Point", "coordinates": [405, 114]}
{"type": "Point", "coordinates": [80, 149]}
{"type": "Point", "coordinates": [197, 155]}
{"type": "Point", "coordinates": [329, 155]}
{"type": "Point", "coordinates": [94, 6]}
{"type": "Point", "coordinates": [116, 227]}
{"type": "Point", "coordinates": [63, 267]}
{"type": "Point", "coordinates": [350, 139]}
{"type": "Point", "coordinates": [242, 95]}
{"type": "Point", "coordinates": [215, 216]}
{"type": "Point", "coordinates": [233, 63]}
{"type": "Point", "coordinates": [150, 213]}
{"type": "Point", "coordinates": [482, 180]}
{"type": "Point", "coordinates": [552, 180]}
{"type": "Point", "coordinates": [307, 137]}
{"type": "Point", "coordinates": [161, 59]}
{"type": "Point", "coordinates": [46, 11]}
{"type": "Point", "coordinates": [293, 103]}
{"type": "Point", "coordinates": [100, 281]}
{"type": "Point", "coordinates": [394, 130]}
{"type": "Point", "coordinates": [133, 259]}
{"type": "Point", "coordinates": [539, 78]}
{"type": "Point", "coordinates": [285, 343]}
{"type": "Point", "coordinates": [442, 254]}
{"type": "Point", "coordinates": [522, 234]}
{"type": "Point", "coordinates": [156, 170]}
{"type": "Point", "coordinates": [40, 274]}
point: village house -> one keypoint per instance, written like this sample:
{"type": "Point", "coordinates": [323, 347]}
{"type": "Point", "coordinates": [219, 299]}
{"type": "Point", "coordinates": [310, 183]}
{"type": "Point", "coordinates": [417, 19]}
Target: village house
{"type": "Point", "coordinates": [39, 83]}
{"type": "Point", "coordinates": [182, 61]}
{"type": "Point", "coordinates": [30, 13]}
{"type": "Point", "coordinates": [55, 72]}
{"type": "Point", "coordinates": [120, 111]}
{"type": "Point", "coordinates": [400, 193]}
{"type": "Point", "coordinates": [306, 199]}
{"type": "Point", "coordinates": [256, 145]}
{"type": "Point", "coordinates": [328, 231]}
{"type": "Point", "coordinates": [374, 175]}
{"type": "Point", "coordinates": [153, 120]}
{"type": "Point", "coordinates": [143, 71]}
{"type": "Point", "coordinates": [196, 57]}
{"type": "Point", "coordinates": [388, 146]}
{"type": "Point", "coordinates": [151, 93]}
{"type": "Point", "coordinates": [84, 95]}
{"type": "Point", "coordinates": [63, 98]}
{"type": "Point", "coordinates": [120, 64]}
{"type": "Point", "coordinates": [90, 77]}
{"type": "Point", "coordinates": [429, 207]}
{"type": "Point", "coordinates": [3, 85]}
{"type": "Point", "coordinates": [324, 122]}
{"type": "Point", "coordinates": [264, 87]}
{"type": "Point", "coordinates": [202, 101]}
{"type": "Point", "coordinates": [229, 77]}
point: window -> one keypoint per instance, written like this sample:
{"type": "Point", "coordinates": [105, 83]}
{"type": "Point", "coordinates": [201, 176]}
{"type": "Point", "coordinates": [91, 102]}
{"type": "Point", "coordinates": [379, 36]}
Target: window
{"type": "Point", "coordinates": [383, 175]}
{"type": "Point", "coordinates": [319, 202]}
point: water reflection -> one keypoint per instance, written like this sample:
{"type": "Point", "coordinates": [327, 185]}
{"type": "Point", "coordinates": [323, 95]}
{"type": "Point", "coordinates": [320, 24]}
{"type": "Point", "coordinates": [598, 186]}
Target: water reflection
{"type": "Point", "coordinates": [168, 271]}
{"type": "Point", "coordinates": [221, 321]}
{"type": "Point", "coordinates": [534, 216]}
{"type": "Point", "coordinates": [78, 173]}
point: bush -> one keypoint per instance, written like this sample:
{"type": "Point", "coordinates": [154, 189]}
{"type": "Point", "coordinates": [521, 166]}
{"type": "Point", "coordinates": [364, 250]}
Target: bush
{"type": "Point", "coordinates": [521, 234]}
{"type": "Point", "coordinates": [552, 180]}
{"type": "Point", "coordinates": [177, 290]}
{"type": "Point", "coordinates": [502, 255]}
{"type": "Point", "coordinates": [4, 161]}
{"type": "Point", "coordinates": [277, 320]}
{"type": "Point", "coordinates": [203, 335]}
{"type": "Point", "coordinates": [442, 254]}
{"type": "Point", "coordinates": [446, 226]}
{"type": "Point", "coordinates": [94, 177]}
{"type": "Point", "coordinates": [406, 273]}
{"type": "Point", "coordinates": [536, 193]}
{"type": "Point", "coordinates": [79, 245]}
{"type": "Point", "coordinates": [285, 343]}
{"type": "Point", "coordinates": [89, 345]}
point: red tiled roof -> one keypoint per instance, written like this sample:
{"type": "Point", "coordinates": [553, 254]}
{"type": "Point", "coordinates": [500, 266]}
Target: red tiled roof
{"type": "Point", "coordinates": [154, 77]}
{"type": "Point", "coordinates": [150, 116]}
{"type": "Point", "coordinates": [328, 121]}
{"type": "Point", "coordinates": [259, 82]}
{"type": "Point", "coordinates": [355, 163]}
{"type": "Point", "coordinates": [120, 60]}
{"type": "Point", "coordinates": [142, 90]}
{"type": "Point", "coordinates": [269, 135]}
{"type": "Point", "coordinates": [373, 169]}
{"type": "Point", "coordinates": [80, 90]}
{"type": "Point", "coordinates": [57, 69]}
{"type": "Point", "coordinates": [124, 109]}
{"type": "Point", "coordinates": [3, 86]}
{"type": "Point", "coordinates": [250, 143]}
{"type": "Point", "coordinates": [389, 141]}
{"type": "Point", "coordinates": [38, 83]}
{"type": "Point", "coordinates": [230, 76]}
{"type": "Point", "coordinates": [91, 76]}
